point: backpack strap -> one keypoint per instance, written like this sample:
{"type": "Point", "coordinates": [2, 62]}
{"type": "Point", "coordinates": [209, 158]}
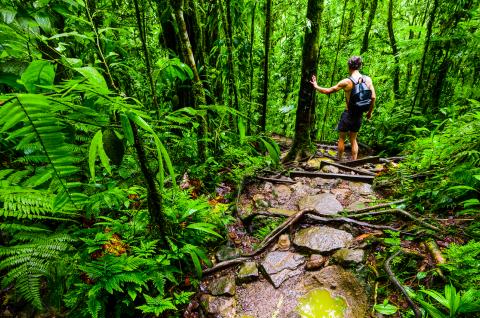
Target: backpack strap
{"type": "Point", "coordinates": [351, 78]}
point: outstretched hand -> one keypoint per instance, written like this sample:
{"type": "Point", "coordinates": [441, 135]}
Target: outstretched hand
{"type": "Point", "coordinates": [314, 81]}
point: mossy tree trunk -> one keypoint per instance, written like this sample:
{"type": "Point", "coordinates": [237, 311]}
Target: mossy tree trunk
{"type": "Point", "coordinates": [198, 91]}
{"type": "Point", "coordinates": [268, 31]}
{"type": "Point", "coordinates": [371, 16]}
{"type": "Point", "coordinates": [306, 96]}
{"type": "Point", "coordinates": [393, 44]}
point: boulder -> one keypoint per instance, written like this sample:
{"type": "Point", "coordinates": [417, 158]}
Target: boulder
{"type": "Point", "coordinates": [323, 203]}
{"type": "Point", "coordinates": [248, 272]}
{"type": "Point", "coordinates": [330, 169]}
{"type": "Point", "coordinates": [316, 261]}
{"type": "Point", "coordinates": [223, 286]}
{"type": "Point", "coordinates": [346, 255]}
{"type": "Point", "coordinates": [279, 266]}
{"type": "Point", "coordinates": [219, 306]}
{"type": "Point", "coordinates": [321, 239]}
{"type": "Point", "coordinates": [282, 193]}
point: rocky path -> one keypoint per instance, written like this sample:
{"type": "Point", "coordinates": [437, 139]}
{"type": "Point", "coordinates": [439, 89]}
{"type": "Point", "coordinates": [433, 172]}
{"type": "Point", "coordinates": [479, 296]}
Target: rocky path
{"type": "Point", "coordinates": [321, 247]}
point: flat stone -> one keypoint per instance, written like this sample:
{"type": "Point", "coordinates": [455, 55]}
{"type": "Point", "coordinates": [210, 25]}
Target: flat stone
{"type": "Point", "coordinates": [248, 272]}
{"type": "Point", "coordinates": [316, 162]}
{"type": "Point", "coordinates": [361, 188]}
{"type": "Point", "coordinates": [301, 190]}
{"type": "Point", "coordinates": [280, 266]}
{"type": "Point", "coordinates": [323, 203]}
{"type": "Point", "coordinates": [223, 286]}
{"type": "Point", "coordinates": [330, 169]}
{"type": "Point", "coordinates": [224, 307]}
{"type": "Point", "coordinates": [316, 261]}
{"type": "Point", "coordinates": [321, 239]}
{"type": "Point", "coordinates": [260, 201]}
{"type": "Point", "coordinates": [225, 253]}
{"type": "Point", "coordinates": [346, 255]}
{"type": "Point", "coordinates": [357, 205]}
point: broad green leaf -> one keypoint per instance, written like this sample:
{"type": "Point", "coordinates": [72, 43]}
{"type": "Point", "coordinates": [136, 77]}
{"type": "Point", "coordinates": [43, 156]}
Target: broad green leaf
{"type": "Point", "coordinates": [94, 77]}
{"type": "Point", "coordinates": [385, 308]}
{"type": "Point", "coordinates": [205, 227]}
{"type": "Point", "coordinates": [196, 262]}
{"type": "Point", "coordinates": [103, 157]}
{"type": "Point", "coordinates": [127, 128]}
{"type": "Point", "coordinates": [38, 73]}
{"type": "Point", "coordinates": [92, 153]}
{"type": "Point", "coordinates": [241, 130]}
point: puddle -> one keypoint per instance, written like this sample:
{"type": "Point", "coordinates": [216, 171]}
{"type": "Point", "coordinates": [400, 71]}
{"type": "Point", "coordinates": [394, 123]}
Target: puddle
{"type": "Point", "coordinates": [320, 304]}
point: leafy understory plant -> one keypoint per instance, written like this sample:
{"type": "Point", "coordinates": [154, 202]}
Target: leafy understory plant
{"type": "Point", "coordinates": [454, 304]}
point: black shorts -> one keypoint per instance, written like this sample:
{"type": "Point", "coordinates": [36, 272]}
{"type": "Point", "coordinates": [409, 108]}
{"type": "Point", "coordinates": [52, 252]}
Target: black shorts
{"type": "Point", "coordinates": [349, 122]}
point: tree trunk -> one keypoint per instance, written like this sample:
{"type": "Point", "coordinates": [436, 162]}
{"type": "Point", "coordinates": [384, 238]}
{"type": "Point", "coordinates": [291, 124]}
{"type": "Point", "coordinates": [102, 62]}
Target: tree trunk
{"type": "Point", "coordinates": [441, 76]}
{"type": "Point", "coordinates": [268, 21]}
{"type": "Point", "coordinates": [227, 26]}
{"type": "Point", "coordinates": [393, 44]}
{"type": "Point", "coordinates": [371, 16]}
{"type": "Point", "coordinates": [252, 42]}
{"type": "Point", "coordinates": [306, 95]}
{"type": "Point", "coordinates": [143, 39]}
{"type": "Point", "coordinates": [198, 91]}
{"type": "Point", "coordinates": [425, 51]}
{"type": "Point", "coordinates": [154, 197]}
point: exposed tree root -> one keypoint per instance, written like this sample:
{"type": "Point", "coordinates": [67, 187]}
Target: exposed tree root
{"type": "Point", "coordinates": [376, 207]}
{"type": "Point", "coordinates": [351, 221]}
{"type": "Point", "coordinates": [397, 284]}
{"type": "Point", "coordinates": [399, 211]}
{"type": "Point", "coordinates": [340, 166]}
{"type": "Point", "coordinates": [276, 180]}
{"type": "Point", "coordinates": [263, 245]}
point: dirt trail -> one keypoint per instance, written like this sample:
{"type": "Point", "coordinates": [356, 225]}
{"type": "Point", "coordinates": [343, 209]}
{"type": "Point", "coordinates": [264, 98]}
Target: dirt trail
{"type": "Point", "coordinates": [316, 243]}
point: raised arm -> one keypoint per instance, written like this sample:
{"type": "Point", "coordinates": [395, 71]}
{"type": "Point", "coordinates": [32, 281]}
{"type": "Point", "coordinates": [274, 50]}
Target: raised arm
{"type": "Point", "coordinates": [340, 85]}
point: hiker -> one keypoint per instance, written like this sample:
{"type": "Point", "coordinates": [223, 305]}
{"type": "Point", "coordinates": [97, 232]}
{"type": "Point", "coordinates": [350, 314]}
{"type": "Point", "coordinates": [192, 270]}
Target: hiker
{"type": "Point", "coordinates": [351, 118]}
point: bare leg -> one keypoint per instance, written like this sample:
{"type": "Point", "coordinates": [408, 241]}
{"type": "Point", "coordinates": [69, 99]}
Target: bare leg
{"type": "Point", "coordinates": [353, 141]}
{"type": "Point", "coordinates": [341, 144]}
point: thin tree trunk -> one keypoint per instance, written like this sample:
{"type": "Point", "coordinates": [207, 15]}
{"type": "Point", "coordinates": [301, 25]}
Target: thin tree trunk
{"type": "Point", "coordinates": [306, 95]}
{"type": "Point", "coordinates": [198, 91]}
{"type": "Point", "coordinates": [154, 197]}
{"type": "Point", "coordinates": [441, 76]}
{"type": "Point", "coordinates": [371, 16]}
{"type": "Point", "coordinates": [268, 20]}
{"type": "Point", "coordinates": [393, 44]}
{"type": "Point", "coordinates": [143, 39]}
{"type": "Point", "coordinates": [252, 42]}
{"type": "Point", "coordinates": [227, 26]}
{"type": "Point", "coordinates": [425, 51]}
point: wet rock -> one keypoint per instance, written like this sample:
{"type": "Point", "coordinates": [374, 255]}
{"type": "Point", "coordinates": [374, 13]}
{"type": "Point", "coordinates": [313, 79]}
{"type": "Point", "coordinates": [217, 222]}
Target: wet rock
{"type": "Point", "coordinates": [223, 307]}
{"type": "Point", "coordinates": [282, 193]}
{"type": "Point", "coordinates": [357, 205]}
{"type": "Point", "coordinates": [346, 255]}
{"type": "Point", "coordinates": [280, 266]}
{"type": "Point", "coordinates": [330, 169]}
{"type": "Point", "coordinates": [344, 284]}
{"type": "Point", "coordinates": [316, 261]}
{"type": "Point", "coordinates": [324, 203]}
{"type": "Point", "coordinates": [283, 243]}
{"type": "Point", "coordinates": [223, 286]}
{"type": "Point", "coordinates": [321, 239]}
{"type": "Point", "coordinates": [301, 190]}
{"type": "Point", "coordinates": [248, 272]}
{"type": "Point", "coordinates": [225, 253]}
{"type": "Point", "coordinates": [315, 163]}
{"type": "Point", "coordinates": [361, 188]}
{"type": "Point", "coordinates": [268, 187]}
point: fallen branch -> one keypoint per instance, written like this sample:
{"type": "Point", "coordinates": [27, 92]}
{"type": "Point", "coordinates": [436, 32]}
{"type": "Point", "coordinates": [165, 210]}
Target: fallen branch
{"type": "Point", "coordinates": [376, 207]}
{"type": "Point", "coordinates": [340, 166]}
{"type": "Point", "coordinates": [352, 221]}
{"type": "Point", "coordinates": [359, 162]}
{"type": "Point", "coordinates": [363, 178]}
{"type": "Point", "coordinates": [397, 284]}
{"type": "Point", "coordinates": [263, 245]}
{"type": "Point", "coordinates": [276, 180]}
{"type": "Point", "coordinates": [400, 211]}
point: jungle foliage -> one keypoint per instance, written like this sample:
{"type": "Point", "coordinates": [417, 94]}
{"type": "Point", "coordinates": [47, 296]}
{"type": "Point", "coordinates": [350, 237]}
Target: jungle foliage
{"type": "Point", "coordinates": [122, 140]}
